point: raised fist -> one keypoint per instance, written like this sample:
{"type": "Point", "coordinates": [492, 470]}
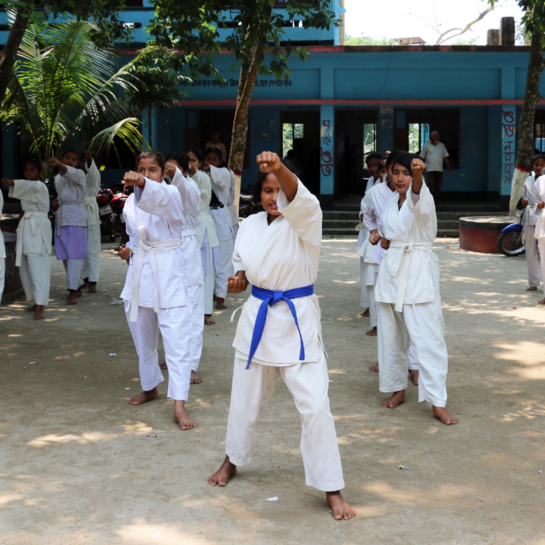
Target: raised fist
{"type": "Point", "coordinates": [269, 161]}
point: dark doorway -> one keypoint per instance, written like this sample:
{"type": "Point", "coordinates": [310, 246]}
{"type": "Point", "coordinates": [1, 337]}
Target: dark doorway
{"type": "Point", "coordinates": [356, 137]}
{"type": "Point", "coordinates": [300, 138]}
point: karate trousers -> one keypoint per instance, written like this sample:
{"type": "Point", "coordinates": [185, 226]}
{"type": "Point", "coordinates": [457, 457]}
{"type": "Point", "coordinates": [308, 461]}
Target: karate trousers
{"type": "Point", "coordinates": [35, 272]}
{"type": "Point", "coordinates": [421, 327]}
{"type": "Point", "coordinates": [2, 275]}
{"type": "Point", "coordinates": [225, 267]}
{"type": "Point", "coordinates": [531, 246]}
{"type": "Point", "coordinates": [176, 327]}
{"type": "Point", "coordinates": [541, 247]}
{"type": "Point", "coordinates": [92, 259]}
{"type": "Point", "coordinates": [196, 297]}
{"type": "Point", "coordinates": [73, 268]}
{"type": "Point", "coordinates": [364, 302]}
{"type": "Point", "coordinates": [308, 383]}
{"type": "Point", "coordinates": [209, 279]}
{"type": "Point", "coordinates": [371, 273]}
{"type": "Point", "coordinates": [234, 228]}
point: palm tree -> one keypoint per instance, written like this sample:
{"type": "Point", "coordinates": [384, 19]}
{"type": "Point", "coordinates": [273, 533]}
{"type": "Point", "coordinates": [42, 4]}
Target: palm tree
{"type": "Point", "coordinates": [65, 92]}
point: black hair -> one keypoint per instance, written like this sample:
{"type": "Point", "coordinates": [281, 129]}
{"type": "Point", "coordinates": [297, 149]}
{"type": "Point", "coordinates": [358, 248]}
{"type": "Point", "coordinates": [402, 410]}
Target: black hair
{"type": "Point", "coordinates": [373, 155]}
{"type": "Point", "coordinates": [215, 203]}
{"type": "Point", "coordinates": [538, 156]}
{"type": "Point", "coordinates": [219, 153]}
{"type": "Point", "coordinates": [256, 193]}
{"type": "Point", "coordinates": [405, 160]}
{"type": "Point", "coordinates": [181, 158]}
{"type": "Point", "coordinates": [197, 153]}
{"type": "Point", "coordinates": [393, 156]}
{"type": "Point", "coordinates": [70, 150]}
{"type": "Point", "coordinates": [152, 154]}
{"type": "Point", "coordinates": [33, 161]}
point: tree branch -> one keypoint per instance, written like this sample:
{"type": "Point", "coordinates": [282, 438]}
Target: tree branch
{"type": "Point", "coordinates": [443, 37]}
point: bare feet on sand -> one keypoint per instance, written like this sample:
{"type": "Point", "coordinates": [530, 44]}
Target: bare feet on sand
{"type": "Point", "coordinates": [31, 309]}
{"type": "Point", "coordinates": [413, 373]}
{"type": "Point", "coordinates": [226, 471]}
{"type": "Point", "coordinates": [372, 332]}
{"type": "Point", "coordinates": [364, 314]}
{"type": "Point", "coordinates": [374, 368]}
{"type": "Point", "coordinates": [208, 321]}
{"type": "Point", "coordinates": [38, 310]}
{"type": "Point", "coordinates": [182, 418]}
{"type": "Point", "coordinates": [397, 399]}
{"type": "Point", "coordinates": [92, 288]}
{"type": "Point", "coordinates": [195, 379]}
{"type": "Point", "coordinates": [340, 509]}
{"type": "Point", "coordinates": [542, 302]}
{"type": "Point", "coordinates": [531, 289]}
{"type": "Point", "coordinates": [144, 397]}
{"type": "Point", "coordinates": [444, 416]}
{"type": "Point", "coordinates": [72, 298]}
{"type": "Point", "coordinates": [220, 303]}
{"type": "Point", "coordinates": [163, 365]}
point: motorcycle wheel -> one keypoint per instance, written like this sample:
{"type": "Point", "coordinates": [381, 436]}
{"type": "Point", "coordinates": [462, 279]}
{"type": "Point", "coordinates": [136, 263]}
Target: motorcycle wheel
{"type": "Point", "coordinates": [110, 229]}
{"type": "Point", "coordinates": [511, 244]}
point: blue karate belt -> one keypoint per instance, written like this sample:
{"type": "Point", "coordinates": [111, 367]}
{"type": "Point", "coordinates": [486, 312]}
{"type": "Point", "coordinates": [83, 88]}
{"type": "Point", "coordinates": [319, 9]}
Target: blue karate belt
{"type": "Point", "coordinates": [270, 298]}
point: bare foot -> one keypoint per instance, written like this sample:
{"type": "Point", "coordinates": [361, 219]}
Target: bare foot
{"type": "Point", "coordinates": [341, 510]}
{"type": "Point", "coordinates": [92, 288]}
{"type": "Point", "coordinates": [364, 314]}
{"type": "Point", "coordinates": [79, 293]}
{"type": "Point", "coordinates": [182, 418]}
{"type": "Point", "coordinates": [85, 284]}
{"type": "Point", "coordinates": [531, 289]}
{"type": "Point", "coordinates": [374, 368]}
{"type": "Point", "coordinates": [226, 471]}
{"type": "Point", "coordinates": [31, 309]}
{"type": "Point", "coordinates": [542, 302]}
{"type": "Point", "coordinates": [208, 321]}
{"type": "Point", "coordinates": [444, 416]}
{"type": "Point", "coordinates": [372, 332]}
{"type": "Point", "coordinates": [163, 365]}
{"type": "Point", "coordinates": [38, 312]}
{"type": "Point", "coordinates": [144, 397]}
{"type": "Point", "coordinates": [414, 376]}
{"type": "Point", "coordinates": [397, 399]}
{"type": "Point", "coordinates": [72, 298]}
{"type": "Point", "coordinates": [220, 303]}
{"type": "Point", "coordinates": [195, 379]}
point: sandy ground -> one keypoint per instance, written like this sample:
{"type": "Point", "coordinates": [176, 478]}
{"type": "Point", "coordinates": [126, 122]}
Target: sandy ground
{"type": "Point", "coordinates": [77, 464]}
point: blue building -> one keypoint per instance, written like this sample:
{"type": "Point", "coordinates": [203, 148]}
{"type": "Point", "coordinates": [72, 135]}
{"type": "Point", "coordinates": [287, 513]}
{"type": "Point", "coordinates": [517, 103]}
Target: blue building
{"type": "Point", "coordinates": [346, 101]}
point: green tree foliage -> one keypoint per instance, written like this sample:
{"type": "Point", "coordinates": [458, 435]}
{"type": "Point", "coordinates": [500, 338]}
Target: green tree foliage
{"type": "Point", "coordinates": [366, 40]}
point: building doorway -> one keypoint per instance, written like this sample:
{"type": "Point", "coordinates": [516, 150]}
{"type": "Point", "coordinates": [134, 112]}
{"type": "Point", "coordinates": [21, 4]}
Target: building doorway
{"type": "Point", "coordinates": [356, 136]}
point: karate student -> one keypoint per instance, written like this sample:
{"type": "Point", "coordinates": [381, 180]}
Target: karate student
{"type": "Point", "coordinates": [279, 332]}
{"type": "Point", "coordinates": [71, 221]}
{"type": "Point", "coordinates": [177, 169]}
{"type": "Point", "coordinates": [155, 292]}
{"type": "Point", "coordinates": [220, 176]}
{"type": "Point", "coordinates": [231, 206]}
{"type": "Point", "coordinates": [529, 200]}
{"type": "Point", "coordinates": [34, 235]}
{"type": "Point", "coordinates": [407, 291]}
{"type": "Point", "coordinates": [206, 231]}
{"type": "Point", "coordinates": [91, 264]}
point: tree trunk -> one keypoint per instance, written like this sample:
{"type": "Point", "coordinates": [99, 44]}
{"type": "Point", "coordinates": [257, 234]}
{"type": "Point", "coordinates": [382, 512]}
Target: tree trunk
{"type": "Point", "coordinates": [526, 146]}
{"type": "Point", "coordinates": [150, 131]}
{"type": "Point", "coordinates": [15, 38]}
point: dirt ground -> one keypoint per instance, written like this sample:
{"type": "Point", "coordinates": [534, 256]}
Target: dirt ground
{"type": "Point", "coordinates": [77, 464]}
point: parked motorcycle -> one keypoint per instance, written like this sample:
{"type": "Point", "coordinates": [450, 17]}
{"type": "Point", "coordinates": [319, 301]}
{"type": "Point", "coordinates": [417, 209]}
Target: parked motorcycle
{"type": "Point", "coordinates": [104, 198]}
{"type": "Point", "coordinates": [118, 204]}
{"type": "Point", "coordinates": [510, 242]}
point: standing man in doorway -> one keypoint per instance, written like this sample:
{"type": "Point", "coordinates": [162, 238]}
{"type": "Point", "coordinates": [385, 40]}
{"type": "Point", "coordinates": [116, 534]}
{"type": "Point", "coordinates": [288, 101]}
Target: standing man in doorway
{"type": "Point", "coordinates": [434, 153]}
{"type": "Point", "coordinates": [215, 141]}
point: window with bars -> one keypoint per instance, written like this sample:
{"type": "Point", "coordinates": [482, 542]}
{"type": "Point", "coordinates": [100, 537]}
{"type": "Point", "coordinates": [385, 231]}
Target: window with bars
{"type": "Point", "coordinates": [418, 136]}
{"type": "Point", "coordinates": [539, 131]}
{"type": "Point", "coordinates": [291, 132]}
{"type": "Point", "coordinates": [370, 140]}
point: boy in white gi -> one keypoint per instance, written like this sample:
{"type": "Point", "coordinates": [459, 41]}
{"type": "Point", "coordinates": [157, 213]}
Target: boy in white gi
{"type": "Point", "coordinates": [155, 292]}
{"type": "Point", "coordinates": [33, 245]}
{"type": "Point", "coordinates": [71, 221]}
{"type": "Point", "coordinates": [279, 332]}
{"type": "Point", "coordinates": [407, 291]}
{"type": "Point", "coordinates": [91, 264]}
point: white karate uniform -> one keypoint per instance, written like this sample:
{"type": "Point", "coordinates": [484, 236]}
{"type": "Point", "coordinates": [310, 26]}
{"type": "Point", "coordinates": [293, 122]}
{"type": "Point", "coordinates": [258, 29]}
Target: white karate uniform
{"type": "Point", "coordinates": [221, 184]}
{"type": "Point", "coordinates": [33, 239]}
{"type": "Point", "coordinates": [282, 256]}
{"type": "Point", "coordinates": [407, 290]}
{"type": "Point", "coordinates": [231, 206]}
{"type": "Point", "coordinates": [191, 200]}
{"type": "Point", "coordinates": [363, 238]}
{"type": "Point", "coordinates": [92, 186]}
{"type": "Point", "coordinates": [206, 238]}
{"type": "Point", "coordinates": [156, 299]}
{"type": "Point", "coordinates": [529, 229]}
{"type": "Point", "coordinates": [2, 252]}
{"type": "Point", "coordinates": [70, 189]}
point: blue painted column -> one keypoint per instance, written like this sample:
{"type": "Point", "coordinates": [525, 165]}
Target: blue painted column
{"type": "Point", "coordinates": [508, 148]}
{"type": "Point", "coordinates": [327, 154]}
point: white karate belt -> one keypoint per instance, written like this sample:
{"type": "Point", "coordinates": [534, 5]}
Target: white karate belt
{"type": "Point", "coordinates": [399, 264]}
{"type": "Point", "coordinates": [61, 204]}
{"type": "Point", "coordinates": [90, 206]}
{"type": "Point", "coordinates": [29, 217]}
{"type": "Point", "coordinates": [189, 232]}
{"type": "Point", "coordinates": [143, 249]}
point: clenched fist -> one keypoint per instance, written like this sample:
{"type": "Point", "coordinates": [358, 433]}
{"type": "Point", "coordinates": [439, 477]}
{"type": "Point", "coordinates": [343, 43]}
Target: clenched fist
{"type": "Point", "coordinates": [269, 162]}
{"type": "Point", "coordinates": [133, 178]}
{"type": "Point", "coordinates": [417, 166]}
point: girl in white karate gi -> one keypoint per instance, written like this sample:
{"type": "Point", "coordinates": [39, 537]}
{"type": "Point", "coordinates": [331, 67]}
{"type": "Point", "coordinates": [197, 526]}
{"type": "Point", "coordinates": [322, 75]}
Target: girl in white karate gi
{"type": "Point", "coordinates": [539, 233]}
{"type": "Point", "coordinates": [91, 265]}
{"type": "Point", "coordinates": [407, 291]}
{"type": "Point", "coordinates": [529, 200]}
{"type": "Point", "coordinates": [279, 332]}
{"type": "Point", "coordinates": [71, 221]}
{"type": "Point", "coordinates": [155, 292]}
{"type": "Point", "coordinates": [216, 167]}
{"type": "Point", "coordinates": [33, 236]}
{"type": "Point", "coordinates": [206, 230]}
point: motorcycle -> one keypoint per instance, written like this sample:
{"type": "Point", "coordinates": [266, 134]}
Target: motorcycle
{"type": "Point", "coordinates": [118, 221]}
{"type": "Point", "coordinates": [104, 198]}
{"type": "Point", "coordinates": [510, 242]}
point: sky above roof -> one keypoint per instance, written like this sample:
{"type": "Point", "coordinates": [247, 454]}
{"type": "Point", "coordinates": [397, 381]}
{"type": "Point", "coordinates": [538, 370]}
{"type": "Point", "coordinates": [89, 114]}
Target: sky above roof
{"type": "Point", "coordinates": [422, 18]}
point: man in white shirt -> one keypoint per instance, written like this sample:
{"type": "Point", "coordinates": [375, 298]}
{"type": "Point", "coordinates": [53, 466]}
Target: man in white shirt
{"type": "Point", "coordinates": [434, 153]}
